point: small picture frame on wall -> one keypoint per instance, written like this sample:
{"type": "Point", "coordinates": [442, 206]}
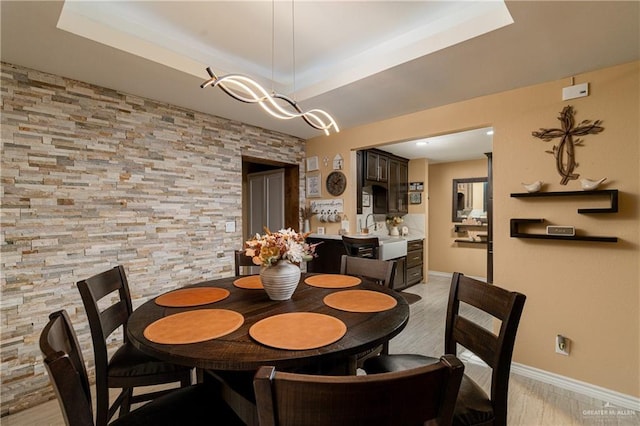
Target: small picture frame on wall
{"type": "Point", "coordinates": [312, 163]}
{"type": "Point", "coordinates": [366, 200]}
{"type": "Point", "coordinates": [415, 198]}
{"type": "Point", "coordinates": [314, 185]}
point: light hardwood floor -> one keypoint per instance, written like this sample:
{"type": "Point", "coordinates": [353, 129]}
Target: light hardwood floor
{"type": "Point", "coordinates": [531, 403]}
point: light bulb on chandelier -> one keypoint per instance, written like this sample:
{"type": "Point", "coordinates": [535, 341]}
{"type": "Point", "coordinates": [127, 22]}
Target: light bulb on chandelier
{"type": "Point", "coordinates": [245, 89]}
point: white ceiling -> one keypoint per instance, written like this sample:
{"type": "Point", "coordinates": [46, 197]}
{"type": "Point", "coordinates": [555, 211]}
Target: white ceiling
{"type": "Point", "coordinates": [460, 146]}
{"type": "Point", "coordinates": [362, 61]}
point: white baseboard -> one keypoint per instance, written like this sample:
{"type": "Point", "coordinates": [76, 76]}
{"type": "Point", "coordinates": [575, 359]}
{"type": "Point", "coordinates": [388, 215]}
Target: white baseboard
{"type": "Point", "coordinates": [607, 395]}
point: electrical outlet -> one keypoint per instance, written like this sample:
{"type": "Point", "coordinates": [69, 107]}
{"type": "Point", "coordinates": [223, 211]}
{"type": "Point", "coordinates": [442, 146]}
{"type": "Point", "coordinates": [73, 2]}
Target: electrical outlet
{"type": "Point", "coordinates": [562, 345]}
{"type": "Point", "coordinates": [230, 227]}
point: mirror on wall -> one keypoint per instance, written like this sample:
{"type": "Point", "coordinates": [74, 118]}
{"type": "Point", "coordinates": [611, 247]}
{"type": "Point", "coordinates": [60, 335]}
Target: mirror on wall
{"type": "Point", "coordinates": [470, 199]}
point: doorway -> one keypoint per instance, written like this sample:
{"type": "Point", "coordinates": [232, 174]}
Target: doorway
{"type": "Point", "coordinates": [270, 195]}
{"type": "Point", "coordinates": [439, 160]}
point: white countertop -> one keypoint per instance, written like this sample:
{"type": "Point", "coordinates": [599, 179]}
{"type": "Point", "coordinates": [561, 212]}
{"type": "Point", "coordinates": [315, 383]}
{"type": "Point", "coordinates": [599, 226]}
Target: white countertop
{"type": "Point", "coordinates": [410, 237]}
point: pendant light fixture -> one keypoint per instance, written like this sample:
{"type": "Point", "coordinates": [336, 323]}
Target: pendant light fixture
{"type": "Point", "coordinates": [245, 89]}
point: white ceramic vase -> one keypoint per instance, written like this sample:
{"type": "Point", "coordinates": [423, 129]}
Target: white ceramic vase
{"type": "Point", "coordinates": [394, 231]}
{"type": "Point", "coordinates": [280, 280]}
{"type": "Point", "coordinates": [306, 227]}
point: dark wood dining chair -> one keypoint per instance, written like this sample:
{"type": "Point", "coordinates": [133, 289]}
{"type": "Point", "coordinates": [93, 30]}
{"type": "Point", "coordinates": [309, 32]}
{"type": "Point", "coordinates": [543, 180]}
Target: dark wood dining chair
{"type": "Point", "coordinates": [361, 247]}
{"type": "Point", "coordinates": [373, 270]}
{"type": "Point", "coordinates": [382, 272]}
{"type": "Point", "coordinates": [193, 405]}
{"type": "Point", "coordinates": [473, 406]}
{"type": "Point", "coordinates": [128, 368]}
{"type": "Point", "coordinates": [244, 265]}
{"type": "Point", "coordinates": [408, 398]}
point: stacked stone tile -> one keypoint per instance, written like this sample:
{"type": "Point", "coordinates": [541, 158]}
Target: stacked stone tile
{"type": "Point", "coordinates": [92, 178]}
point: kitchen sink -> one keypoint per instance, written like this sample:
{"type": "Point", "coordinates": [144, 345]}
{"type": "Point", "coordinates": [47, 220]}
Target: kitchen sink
{"type": "Point", "coordinates": [392, 248]}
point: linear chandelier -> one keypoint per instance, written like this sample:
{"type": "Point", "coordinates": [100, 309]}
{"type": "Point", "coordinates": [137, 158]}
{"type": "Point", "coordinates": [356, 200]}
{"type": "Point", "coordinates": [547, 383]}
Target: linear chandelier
{"type": "Point", "coordinates": [245, 89]}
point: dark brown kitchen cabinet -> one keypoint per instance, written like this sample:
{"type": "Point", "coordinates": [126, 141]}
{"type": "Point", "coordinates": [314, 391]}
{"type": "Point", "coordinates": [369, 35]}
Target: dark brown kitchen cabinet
{"type": "Point", "coordinates": [398, 199]}
{"type": "Point", "coordinates": [415, 254]}
{"type": "Point", "coordinates": [376, 166]}
{"type": "Point", "coordinates": [387, 177]}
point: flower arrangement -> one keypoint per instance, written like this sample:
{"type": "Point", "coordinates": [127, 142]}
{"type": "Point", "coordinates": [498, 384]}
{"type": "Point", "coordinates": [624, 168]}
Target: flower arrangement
{"type": "Point", "coordinates": [394, 220]}
{"type": "Point", "coordinates": [286, 244]}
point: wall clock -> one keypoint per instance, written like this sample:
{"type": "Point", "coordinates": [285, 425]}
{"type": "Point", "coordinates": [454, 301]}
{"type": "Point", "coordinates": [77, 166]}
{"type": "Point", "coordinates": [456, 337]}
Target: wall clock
{"type": "Point", "coordinates": [336, 183]}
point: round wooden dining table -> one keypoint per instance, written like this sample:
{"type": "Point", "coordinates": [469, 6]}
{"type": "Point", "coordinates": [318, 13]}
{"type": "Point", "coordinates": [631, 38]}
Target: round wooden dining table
{"type": "Point", "coordinates": [232, 359]}
{"type": "Point", "coordinates": [238, 351]}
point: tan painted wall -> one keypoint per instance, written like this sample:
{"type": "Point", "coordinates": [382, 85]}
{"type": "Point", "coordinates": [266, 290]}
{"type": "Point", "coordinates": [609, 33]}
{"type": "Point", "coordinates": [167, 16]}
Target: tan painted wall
{"type": "Point", "coordinates": [419, 172]}
{"type": "Point", "coordinates": [444, 254]}
{"type": "Point", "coordinates": [585, 290]}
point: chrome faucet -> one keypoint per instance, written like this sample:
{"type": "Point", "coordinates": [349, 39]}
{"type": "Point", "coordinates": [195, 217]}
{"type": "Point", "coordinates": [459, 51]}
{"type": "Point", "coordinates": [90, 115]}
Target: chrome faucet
{"type": "Point", "coordinates": [366, 220]}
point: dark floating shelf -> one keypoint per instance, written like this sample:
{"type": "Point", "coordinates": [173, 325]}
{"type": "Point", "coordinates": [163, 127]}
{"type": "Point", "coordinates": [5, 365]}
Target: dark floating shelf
{"type": "Point", "coordinates": [459, 240]}
{"type": "Point", "coordinates": [515, 233]}
{"type": "Point", "coordinates": [611, 193]}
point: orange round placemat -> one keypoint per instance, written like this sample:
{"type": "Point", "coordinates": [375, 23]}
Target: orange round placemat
{"type": "Point", "coordinates": [193, 326]}
{"type": "Point", "coordinates": [360, 301]}
{"type": "Point", "coordinates": [192, 297]}
{"type": "Point", "coordinates": [332, 281]}
{"type": "Point", "coordinates": [251, 282]}
{"type": "Point", "coordinates": [298, 330]}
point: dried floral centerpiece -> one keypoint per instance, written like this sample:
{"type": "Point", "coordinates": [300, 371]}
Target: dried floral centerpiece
{"type": "Point", "coordinates": [280, 254]}
{"type": "Point", "coordinates": [286, 244]}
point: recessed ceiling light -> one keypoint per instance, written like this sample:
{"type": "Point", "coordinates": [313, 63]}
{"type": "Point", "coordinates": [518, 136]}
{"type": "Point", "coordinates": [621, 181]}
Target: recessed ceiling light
{"type": "Point", "coordinates": [421, 143]}
{"type": "Point", "coordinates": [490, 132]}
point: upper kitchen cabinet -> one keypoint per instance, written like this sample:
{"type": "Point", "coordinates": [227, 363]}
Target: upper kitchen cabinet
{"type": "Point", "coordinates": [398, 198]}
{"type": "Point", "coordinates": [388, 176]}
{"type": "Point", "coordinates": [376, 166]}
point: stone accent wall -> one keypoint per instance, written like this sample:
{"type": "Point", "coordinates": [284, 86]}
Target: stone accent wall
{"type": "Point", "coordinates": [93, 178]}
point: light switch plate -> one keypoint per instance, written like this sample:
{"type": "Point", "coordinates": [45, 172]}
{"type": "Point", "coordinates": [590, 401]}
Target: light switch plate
{"type": "Point", "coordinates": [230, 227]}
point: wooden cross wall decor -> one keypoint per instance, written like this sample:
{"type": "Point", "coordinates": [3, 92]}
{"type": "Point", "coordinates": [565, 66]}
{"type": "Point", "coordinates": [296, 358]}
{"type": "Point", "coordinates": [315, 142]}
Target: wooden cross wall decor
{"type": "Point", "coordinates": [564, 152]}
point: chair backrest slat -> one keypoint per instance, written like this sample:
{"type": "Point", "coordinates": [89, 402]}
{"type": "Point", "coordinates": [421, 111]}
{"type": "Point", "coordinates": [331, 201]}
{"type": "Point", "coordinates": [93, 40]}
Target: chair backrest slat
{"type": "Point", "coordinates": [113, 317]}
{"type": "Point", "coordinates": [106, 282]}
{"type": "Point", "coordinates": [491, 299]}
{"type": "Point", "coordinates": [482, 342]}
